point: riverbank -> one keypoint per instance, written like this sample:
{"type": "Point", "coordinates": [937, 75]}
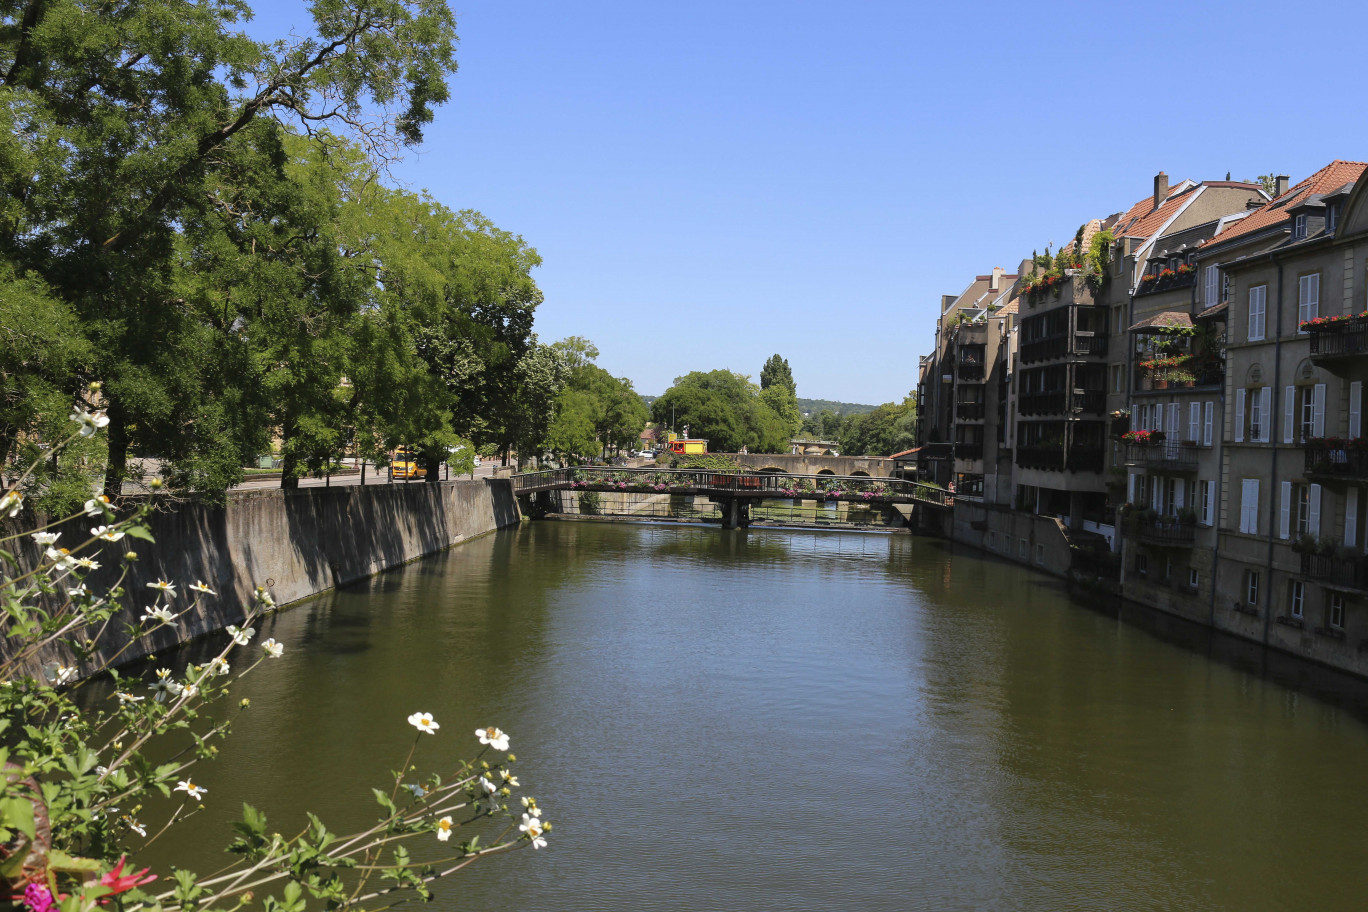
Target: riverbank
{"type": "Point", "coordinates": [295, 544]}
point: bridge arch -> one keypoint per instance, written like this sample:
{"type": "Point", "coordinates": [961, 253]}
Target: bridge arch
{"type": "Point", "coordinates": [859, 474]}
{"type": "Point", "coordinates": [825, 472]}
{"type": "Point", "coordinates": [773, 470]}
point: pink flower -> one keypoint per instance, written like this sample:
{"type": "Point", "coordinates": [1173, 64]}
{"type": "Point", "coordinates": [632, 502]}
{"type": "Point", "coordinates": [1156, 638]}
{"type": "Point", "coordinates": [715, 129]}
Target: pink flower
{"type": "Point", "coordinates": [39, 898]}
{"type": "Point", "coordinates": [118, 882]}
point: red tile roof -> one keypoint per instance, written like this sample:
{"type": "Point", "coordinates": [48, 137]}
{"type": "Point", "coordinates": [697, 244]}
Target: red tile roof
{"type": "Point", "coordinates": [1331, 177]}
{"type": "Point", "coordinates": [1143, 221]}
{"type": "Point", "coordinates": [1011, 307]}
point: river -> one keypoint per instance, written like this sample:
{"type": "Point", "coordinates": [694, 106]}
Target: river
{"type": "Point", "coordinates": [774, 720]}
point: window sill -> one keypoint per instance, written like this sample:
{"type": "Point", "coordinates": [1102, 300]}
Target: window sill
{"type": "Point", "coordinates": [1246, 609]}
{"type": "Point", "coordinates": [1293, 622]}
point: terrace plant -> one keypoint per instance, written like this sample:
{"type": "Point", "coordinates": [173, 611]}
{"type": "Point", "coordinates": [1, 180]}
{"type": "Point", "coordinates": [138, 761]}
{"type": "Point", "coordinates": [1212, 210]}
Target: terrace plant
{"type": "Point", "coordinates": [87, 780]}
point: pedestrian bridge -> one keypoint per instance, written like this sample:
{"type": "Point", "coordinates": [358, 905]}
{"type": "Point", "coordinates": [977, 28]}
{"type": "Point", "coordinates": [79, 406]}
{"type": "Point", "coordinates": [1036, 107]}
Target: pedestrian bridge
{"type": "Point", "coordinates": [731, 498]}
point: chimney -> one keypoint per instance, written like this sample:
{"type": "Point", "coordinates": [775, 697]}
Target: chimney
{"type": "Point", "coordinates": [1160, 189]}
{"type": "Point", "coordinates": [1280, 186]}
{"type": "Point", "coordinates": [995, 283]}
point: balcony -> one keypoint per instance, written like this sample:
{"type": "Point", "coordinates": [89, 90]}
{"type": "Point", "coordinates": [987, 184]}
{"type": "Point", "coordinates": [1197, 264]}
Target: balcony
{"type": "Point", "coordinates": [969, 450]}
{"type": "Point", "coordinates": [969, 411]}
{"type": "Point", "coordinates": [1084, 459]}
{"type": "Point", "coordinates": [1336, 458]}
{"type": "Point", "coordinates": [970, 372]}
{"type": "Point", "coordinates": [1331, 342]}
{"type": "Point", "coordinates": [1167, 454]}
{"type": "Point", "coordinates": [1149, 286]}
{"type": "Point", "coordinates": [1347, 574]}
{"type": "Point", "coordinates": [1049, 458]}
{"type": "Point", "coordinates": [1166, 532]}
{"type": "Point", "coordinates": [1083, 343]}
{"type": "Point", "coordinates": [1049, 402]}
{"type": "Point", "coordinates": [1094, 402]}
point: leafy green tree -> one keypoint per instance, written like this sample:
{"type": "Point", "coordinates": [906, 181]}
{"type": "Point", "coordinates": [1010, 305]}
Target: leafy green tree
{"type": "Point", "coordinates": [119, 120]}
{"type": "Point", "coordinates": [573, 432]}
{"type": "Point", "coordinates": [726, 409]}
{"type": "Point", "coordinates": [889, 429]}
{"type": "Point", "coordinates": [776, 371]}
{"type": "Point", "coordinates": [778, 392]}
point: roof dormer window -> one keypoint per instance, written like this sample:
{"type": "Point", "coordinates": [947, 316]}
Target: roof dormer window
{"type": "Point", "coordinates": [1331, 217]}
{"type": "Point", "coordinates": [1299, 227]}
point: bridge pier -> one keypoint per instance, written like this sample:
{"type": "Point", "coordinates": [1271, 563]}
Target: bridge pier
{"type": "Point", "coordinates": [735, 513]}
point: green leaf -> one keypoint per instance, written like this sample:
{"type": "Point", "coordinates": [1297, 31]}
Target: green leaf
{"type": "Point", "coordinates": [139, 532]}
{"type": "Point", "coordinates": [17, 814]}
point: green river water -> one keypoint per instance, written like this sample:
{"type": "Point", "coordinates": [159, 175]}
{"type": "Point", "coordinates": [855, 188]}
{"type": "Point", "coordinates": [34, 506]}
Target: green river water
{"type": "Point", "coordinates": [774, 720]}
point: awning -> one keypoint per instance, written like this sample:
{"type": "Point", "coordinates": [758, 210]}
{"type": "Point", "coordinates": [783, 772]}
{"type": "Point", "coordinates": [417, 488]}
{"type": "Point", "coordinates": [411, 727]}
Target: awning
{"type": "Point", "coordinates": [1216, 310]}
{"type": "Point", "coordinates": [1168, 321]}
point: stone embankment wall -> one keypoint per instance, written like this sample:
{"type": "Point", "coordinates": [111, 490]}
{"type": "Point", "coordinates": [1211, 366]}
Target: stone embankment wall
{"type": "Point", "coordinates": [295, 543]}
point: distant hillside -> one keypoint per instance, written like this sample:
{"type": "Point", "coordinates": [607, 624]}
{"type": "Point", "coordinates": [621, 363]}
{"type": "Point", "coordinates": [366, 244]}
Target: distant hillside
{"type": "Point", "coordinates": [649, 400]}
{"type": "Point", "coordinates": [817, 406]}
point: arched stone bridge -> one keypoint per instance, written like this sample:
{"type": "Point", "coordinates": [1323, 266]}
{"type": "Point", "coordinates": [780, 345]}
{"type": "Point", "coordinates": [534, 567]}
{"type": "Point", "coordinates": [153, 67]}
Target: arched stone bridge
{"type": "Point", "coordinates": [847, 466]}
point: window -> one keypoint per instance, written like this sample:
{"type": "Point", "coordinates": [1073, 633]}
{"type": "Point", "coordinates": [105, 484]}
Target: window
{"type": "Point", "coordinates": [1021, 549]}
{"type": "Point", "coordinates": [1251, 587]}
{"type": "Point", "coordinates": [1116, 378]}
{"type": "Point", "coordinates": [1299, 227]}
{"type": "Point", "coordinates": [1168, 568]}
{"type": "Point", "coordinates": [1249, 506]}
{"type": "Point", "coordinates": [1254, 409]}
{"type": "Point", "coordinates": [1334, 610]}
{"type": "Point", "coordinates": [1208, 503]}
{"type": "Point", "coordinates": [1213, 285]}
{"type": "Point", "coordinates": [1193, 578]}
{"type": "Point", "coordinates": [1331, 218]}
{"type": "Point", "coordinates": [1040, 553]}
{"type": "Point", "coordinates": [1351, 499]}
{"type": "Point", "coordinates": [1308, 298]}
{"type": "Point", "coordinates": [1297, 599]}
{"type": "Point", "coordinates": [1258, 296]}
{"type": "Point", "coordinates": [1303, 498]}
{"type": "Point", "coordinates": [1301, 506]}
{"type": "Point", "coordinates": [1142, 564]}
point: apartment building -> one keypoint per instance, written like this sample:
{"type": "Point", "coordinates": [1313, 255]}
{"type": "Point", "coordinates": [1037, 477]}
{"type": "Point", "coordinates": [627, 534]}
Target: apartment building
{"type": "Point", "coordinates": [1291, 276]}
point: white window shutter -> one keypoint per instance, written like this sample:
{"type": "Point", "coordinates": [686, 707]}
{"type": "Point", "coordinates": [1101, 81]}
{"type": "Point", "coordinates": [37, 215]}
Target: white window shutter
{"type": "Point", "coordinates": [1249, 506]}
{"type": "Point", "coordinates": [1313, 524]}
{"type": "Point", "coordinates": [1239, 415]}
{"type": "Point", "coordinates": [1179, 490]}
{"type": "Point", "coordinates": [1356, 409]}
{"type": "Point", "coordinates": [1285, 517]}
{"type": "Point", "coordinates": [1211, 280]}
{"type": "Point", "coordinates": [1318, 410]}
{"type": "Point", "coordinates": [1265, 408]}
{"type": "Point", "coordinates": [1194, 421]}
{"type": "Point", "coordinates": [1351, 517]}
{"type": "Point", "coordinates": [1313, 296]}
{"type": "Point", "coordinates": [1172, 429]}
{"type": "Point", "coordinates": [1207, 411]}
{"type": "Point", "coordinates": [1209, 508]}
{"type": "Point", "coordinates": [1130, 488]}
{"type": "Point", "coordinates": [1289, 413]}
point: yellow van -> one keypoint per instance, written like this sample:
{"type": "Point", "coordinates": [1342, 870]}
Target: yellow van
{"type": "Point", "coordinates": [404, 464]}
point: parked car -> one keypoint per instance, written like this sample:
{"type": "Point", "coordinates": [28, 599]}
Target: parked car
{"type": "Point", "coordinates": [404, 464]}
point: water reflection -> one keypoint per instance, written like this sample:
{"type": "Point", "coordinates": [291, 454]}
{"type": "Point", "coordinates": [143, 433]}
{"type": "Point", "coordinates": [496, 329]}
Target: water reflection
{"type": "Point", "coordinates": [781, 720]}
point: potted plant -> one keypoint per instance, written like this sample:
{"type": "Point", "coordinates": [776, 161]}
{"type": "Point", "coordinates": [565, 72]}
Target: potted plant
{"type": "Point", "coordinates": [1187, 516]}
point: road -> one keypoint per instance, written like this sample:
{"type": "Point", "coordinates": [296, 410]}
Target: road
{"type": "Point", "coordinates": [372, 477]}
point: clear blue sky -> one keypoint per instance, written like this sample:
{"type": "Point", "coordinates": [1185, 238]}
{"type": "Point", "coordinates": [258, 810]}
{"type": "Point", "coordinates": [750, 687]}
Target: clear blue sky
{"type": "Point", "coordinates": [710, 183]}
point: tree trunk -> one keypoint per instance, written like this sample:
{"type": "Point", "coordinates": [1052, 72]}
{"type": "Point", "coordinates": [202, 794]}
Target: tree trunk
{"type": "Point", "coordinates": [117, 467]}
{"type": "Point", "coordinates": [289, 463]}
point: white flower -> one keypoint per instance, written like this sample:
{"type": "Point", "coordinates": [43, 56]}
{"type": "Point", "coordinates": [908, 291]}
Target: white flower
{"type": "Point", "coordinates": [417, 790]}
{"type": "Point", "coordinates": [126, 697]}
{"type": "Point", "coordinates": [45, 538]}
{"type": "Point", "coordinates": [201, 586]}
{"type": "Point", "coordinates": [90, 423]}
{"type": "Point", "coordinates": [423, 722]}
{"type": "Point", "coordinates": [531, 805]}
{"type": "Point", "coordinates": [509, 778]}
{"type": "Point", "coordinates": [263, 597]}
{"type": "Point", "coordinates": [12, 501]}
{"type": "Point", "coordinates": [534, 828]}
{"type": "Point", "coordinates": [493, 737]}
{"type": "Point", "coordinates": [444, 829]}
{"type": "Point", "coordinates": [163, 685]}
{"type": "Point", "coordinates": [488, 786]}
{"type": "Point", "coordinates": [189, 690]}
{"type": "Point", "coordinates": [62, 558]}
{"type": "Point", "coordinates": [217, 666]}
{"type": "Point", "coordinates": [161, 615]}
{"type": "Point", "coordinates": [104, 771]}
{"type": "Point", "coordinates": [87, 563]}
{"type": "Point", "coordinates": [58, 674]}
{"type": "Point", "coordinates": [163, 586]}
{"type": "Point", "coordinates": [96, 505]}
{"type": "Point", "coordinates": [194, 791]}
{"type": "Point", "coordinates": [136, 827]}
{"type": "Point", "coordinates": [108, 533]}
{"type": "Point", "coordinates": [78, 592]}
{"type": "Point", "coordinates": [240, 636]}
{"type": "Point", "coordinates": [272, 648]}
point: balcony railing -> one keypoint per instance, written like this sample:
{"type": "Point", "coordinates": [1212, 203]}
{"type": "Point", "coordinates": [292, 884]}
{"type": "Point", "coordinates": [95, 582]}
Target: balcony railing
{"type": "Point", "coordinates": [1164, 531]}
{"type": "Point", "coordinates": [1341, 339]}
{"type": "Point", "coordinates": [969, 411]}
{"type": "Point", "coordinates": [1340, 460]}
{"type": "Point", "coordinates": [1167, 283]}
{"type": "Point", "coordinates": [1050, 458]}
{"type": "Point", "coordinates": [1351, 574]}
{"type": "Point", "coordinates": [1082, 458]}
{"type": "Point", "coordinates": [1167, 454]}
{"type": "Point", "coordinates": [1083, 343]}
{"type": "Point", "coordinates": [1049, 402]}
{"type": "Point", "coordinates": [970, 372]}
{"type": "Point", "coordinates": [1091, 401]}
{"type": "Point", "coordinates": [969, 451]}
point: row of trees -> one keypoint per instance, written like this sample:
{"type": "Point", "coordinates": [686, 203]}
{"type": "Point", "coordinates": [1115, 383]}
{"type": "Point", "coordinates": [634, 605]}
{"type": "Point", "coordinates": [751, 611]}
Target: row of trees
{"type": "Point", "coordinates": [199, 221]}
{"type": "Point", "coordinates": [594, 411]}
{"type": "Point", "coordinates": [731, 412]}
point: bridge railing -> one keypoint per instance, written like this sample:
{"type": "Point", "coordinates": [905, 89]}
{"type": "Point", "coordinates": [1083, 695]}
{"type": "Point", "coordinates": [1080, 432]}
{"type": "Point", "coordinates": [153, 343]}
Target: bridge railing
{"type": "Point", "coordinates": [775, 484]}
